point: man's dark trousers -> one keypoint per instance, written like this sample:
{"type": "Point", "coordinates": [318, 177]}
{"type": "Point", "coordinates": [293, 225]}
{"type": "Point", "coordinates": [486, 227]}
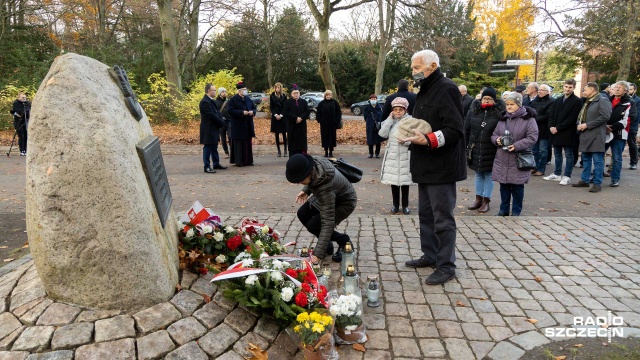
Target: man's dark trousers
{"type": "Point", "coordinates": [633, 147]}
{"type": "Point", "coordinates": [437, 224]}
{"type": "Point", "coordinates": [210, 151]}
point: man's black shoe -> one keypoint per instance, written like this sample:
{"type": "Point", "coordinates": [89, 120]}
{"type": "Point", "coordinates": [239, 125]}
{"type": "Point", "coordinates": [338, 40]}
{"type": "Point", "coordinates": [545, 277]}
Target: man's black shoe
{"type": "Point", "coordinates": [419, 263]}
{"type": "Point", "coordinates": [394, 210]}
{"type": "Point", "coordinates": [595, 188]}
{"type": "Point", "coordinates": [337, 257]}
{"type": "Point", "coordinates": [209, 170]}
{"type": "Point", "coordinates": [580, 184]}
{"type": "Point", "coordinates": [406, 211]}
{"type": "Point", "coordinates": [615, 184]}
{"type": "Point", "coordinates": [440, 277]}
{"type": "Point", "coordinates": [220, 167]}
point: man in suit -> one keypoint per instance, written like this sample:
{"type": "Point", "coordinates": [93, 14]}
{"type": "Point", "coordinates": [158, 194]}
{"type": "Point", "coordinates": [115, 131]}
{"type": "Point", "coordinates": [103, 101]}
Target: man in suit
{"type": "Point", "coordinates": [210, 123]}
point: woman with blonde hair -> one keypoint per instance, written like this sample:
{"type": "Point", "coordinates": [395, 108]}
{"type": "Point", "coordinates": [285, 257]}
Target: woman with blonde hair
{"type": "Point", "coordinates": [329, 116]}
{"type": "Point", "coordinates": [278, 125]}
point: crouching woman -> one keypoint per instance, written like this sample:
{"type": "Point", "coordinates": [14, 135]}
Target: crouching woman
{"type": "Point", "coordinates": [327, 199]}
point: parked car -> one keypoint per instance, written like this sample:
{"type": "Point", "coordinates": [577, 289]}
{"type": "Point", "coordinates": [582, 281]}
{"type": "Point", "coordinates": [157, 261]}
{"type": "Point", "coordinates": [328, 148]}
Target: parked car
{"type": "Point", "coordinates": [357, 108]}
{"type": "Point", "coordinates": [316, 96]}
{"type": "Point", "coordinates": [258, 97]}
{"type": "Point", "coordinates": [313, 108]}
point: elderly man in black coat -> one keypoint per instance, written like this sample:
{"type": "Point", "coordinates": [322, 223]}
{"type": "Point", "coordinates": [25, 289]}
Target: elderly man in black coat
{"type": "Point", "coordinates": [437, 163]}
{"type": "Point", "coordinates": [242, 111]}
{"type": "Point", "coordinates": [296, 113]}
{"type": "Point", "coordinates": [562, 125]}
{"type": "Point", "coordinates": [542, 104]}
{"type": "Point", "coordinates": [210, 123]}
{"type": "Point", "coordinates": [403, 91]}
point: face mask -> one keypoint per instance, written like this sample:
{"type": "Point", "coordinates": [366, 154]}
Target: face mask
{"type": "Point", "coordinates": [417, 77]}
{"type": "Point", "coordinates": [373, 102]}
{"type": "Point", "coordinates": [245, 92]}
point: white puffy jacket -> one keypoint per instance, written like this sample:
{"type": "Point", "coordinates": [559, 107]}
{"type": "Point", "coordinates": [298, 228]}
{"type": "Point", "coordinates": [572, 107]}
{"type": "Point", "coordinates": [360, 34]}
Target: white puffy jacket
{"type": "Point", "coordinates": [395, 164]}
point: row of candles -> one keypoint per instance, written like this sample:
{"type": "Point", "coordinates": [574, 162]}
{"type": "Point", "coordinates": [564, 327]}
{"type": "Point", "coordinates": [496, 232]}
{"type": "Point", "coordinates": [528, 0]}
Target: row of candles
{"type": "Point", "coordinates": [348, 272]}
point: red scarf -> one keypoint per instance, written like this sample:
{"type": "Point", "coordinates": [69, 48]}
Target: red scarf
{"type": "Point", "coordinates": [486, 106]}
{"type": "Point", "coordinates": [615, 101]}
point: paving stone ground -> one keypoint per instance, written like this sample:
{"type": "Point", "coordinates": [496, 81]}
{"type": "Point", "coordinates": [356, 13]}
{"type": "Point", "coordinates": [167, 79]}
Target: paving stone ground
{"type": "Point", "coordinates": [515, 278]}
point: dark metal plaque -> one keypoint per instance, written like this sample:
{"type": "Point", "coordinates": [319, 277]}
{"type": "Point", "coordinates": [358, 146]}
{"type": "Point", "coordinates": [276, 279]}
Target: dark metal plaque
{"type": "Point", "coordinates": [153, 165]}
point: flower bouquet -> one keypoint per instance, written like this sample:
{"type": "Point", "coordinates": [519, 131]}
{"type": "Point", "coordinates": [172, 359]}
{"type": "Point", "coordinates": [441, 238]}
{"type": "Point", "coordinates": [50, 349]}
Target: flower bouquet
{"type": "Point", "coordinates": [263, 236]}
{"type": "Point", "coordinates": [208, 245]}
{"type": "Point", "coordinates": [313, 334]}
{"type": "Point", "coordinates": [347, 310]}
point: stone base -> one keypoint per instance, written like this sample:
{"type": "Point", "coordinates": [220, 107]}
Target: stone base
{"type": "Point", "coordinates": [185, 327]}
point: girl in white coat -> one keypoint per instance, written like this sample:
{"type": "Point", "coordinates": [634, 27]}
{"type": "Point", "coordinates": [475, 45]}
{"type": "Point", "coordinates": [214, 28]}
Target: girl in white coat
{"type": "Point", "coordinates": [395, 164]}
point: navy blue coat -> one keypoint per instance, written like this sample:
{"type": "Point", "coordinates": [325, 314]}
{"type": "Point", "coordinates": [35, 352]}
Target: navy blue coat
{"type": "Point", "coordinates": [242, 127]}
{"type": "Point", "coordinates": [371, 116]}
{"type": "Point", "coordinates": [210, 121]}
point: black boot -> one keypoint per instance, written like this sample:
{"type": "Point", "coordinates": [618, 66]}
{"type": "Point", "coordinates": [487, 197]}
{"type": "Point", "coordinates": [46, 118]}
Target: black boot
{"type": "Point", "coordinates": [285, 150]}
{"type": "Point", "coordinates": [326, 152]}
{"type": "Point", "coordinates": [476, 205]}
{"type": "Point", "coordinates": [279, 154]}
{"type": "Point", "coordinates": [337, 257]}
{"type": "Point", "coordinates": [331, 152]}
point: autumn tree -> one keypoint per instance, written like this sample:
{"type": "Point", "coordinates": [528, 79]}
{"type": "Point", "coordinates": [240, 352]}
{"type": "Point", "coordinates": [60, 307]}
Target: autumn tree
{"type": "Point", "coordinates": [322, 17]}
{"type": "Point", "coordinates": [604, 35]}
{"type": "Point", "coordinates": [387, 27]}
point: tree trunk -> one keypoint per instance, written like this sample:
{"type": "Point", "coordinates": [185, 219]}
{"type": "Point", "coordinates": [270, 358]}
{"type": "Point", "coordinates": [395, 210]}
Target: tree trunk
{"type": "Point", "coordinates": [324, 64]}
{"type": "Point", "coordinates": [193, 37]}
{"type": "Point", "coordinates": [268, 39]}
{"type": "Point", "coordinates": [626, 52]}
{"type": "Point", "coordinates": [169, 47]}
{"type": "Point", "coordinates": [386, 36]}
{"type": "Point", "coordinates": [101, 7]}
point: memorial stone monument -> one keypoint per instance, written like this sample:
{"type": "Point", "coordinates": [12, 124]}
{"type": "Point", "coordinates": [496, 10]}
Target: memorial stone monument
{"type": "Point", "coordinates": [99, 218]}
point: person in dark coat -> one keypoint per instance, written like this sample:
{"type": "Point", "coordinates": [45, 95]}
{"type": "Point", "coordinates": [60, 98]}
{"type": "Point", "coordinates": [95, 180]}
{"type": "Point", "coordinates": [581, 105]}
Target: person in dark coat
{"type": "Point", "coordinates": [327, 199]}
{"type": "Point", "coordinates": [437, 163]}
{"type": "Point", "coordinates": [211, 121]}
{"type": "Point", "coordinates": [466, 99]}
{"type": "Point", "coordinates": [542, 104]}
{"type": "Point", "coordinates": [296, 113]}
{"type": "Point", "coordinates": [222, 102]}
{"type": "Point", "coordinates": [622, 114]}
{"type": "Point", "coordinates": [329, 116]}
{"type": "Point", "coordinates": [530, 93]}
{"type": "Point", "coordinates": [403, 92]}
{"type": "Point", "coordinates": [242, 111]}
{"type": "Point", "coordinates": [373, 118]}
{"type": "Point", "coordinates": [562, 125]}
{"type": "Point", "coordinates": [521, 123]}
{"type": "Point", "coordinates": [592, 125]}
{"type": "Point", "coordinates": [21, 111]}
{"type": "Point", "coordinates": [633, 129]}
{"type": "Point", "coordinates": [604, 90]}
{"type": "Point", "coordinates": [481, 119]}
{"type": "Point", "coordinates": [278, 125]}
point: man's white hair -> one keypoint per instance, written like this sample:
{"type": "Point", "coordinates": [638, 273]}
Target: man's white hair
{"type": "Point", "coordinates": [534, 85]}
{"type": "Point", "coordinates": [428, 57]}
{"type": "Point", "coordinates": [624, 84]}
{"type": "Point", "coordinates": [462, 87]}
{"type": "Point", "coordinates": [546, 87]}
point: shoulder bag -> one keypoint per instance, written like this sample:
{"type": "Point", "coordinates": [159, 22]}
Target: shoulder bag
{"type": "Point", "coordinates": [351, 172]}
{"type": "Point", "coordinates": [525, 160]}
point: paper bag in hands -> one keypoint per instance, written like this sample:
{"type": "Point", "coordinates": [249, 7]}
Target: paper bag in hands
{"type": "Point", "coordinates": [408, 124]}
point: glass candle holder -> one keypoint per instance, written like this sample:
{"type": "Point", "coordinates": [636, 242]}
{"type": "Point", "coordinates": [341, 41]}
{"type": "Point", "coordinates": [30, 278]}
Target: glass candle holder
{"type": "Point", "coordinates": [348, 258]}
{"type": "Point", "coordinates": [373, 291]}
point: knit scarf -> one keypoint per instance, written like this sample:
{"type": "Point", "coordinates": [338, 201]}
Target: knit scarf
{"type": "Point", "coordinates": [582, 117]}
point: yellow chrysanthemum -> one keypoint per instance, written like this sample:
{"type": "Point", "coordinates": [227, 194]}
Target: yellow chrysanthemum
{"type": "Point", "coordinates": [297, 328]}
{"type": "Point", "coordinates": [315, 317]}
{"type": "Point", "coordinates": [317, 327]}
{"type": "Point", "coordinates": [302, 317]}
{"type": "Point", "coordinates": [326, 320]}
{"type": "Point", "coordinates": [306, 325]}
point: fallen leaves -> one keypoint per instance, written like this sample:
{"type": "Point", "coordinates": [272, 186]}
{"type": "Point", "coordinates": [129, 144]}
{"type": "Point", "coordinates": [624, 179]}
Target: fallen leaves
{"type": "Point", "coordinates": [533, 321]}
{"type": "Point", "coordinates": [561, 357]}
{"type": "Point", "coordinates": [359, 347]}
{"type": "Point", "coordinates": [538, 279]}
{"type": "Point", "coordinates": [257, 352]}
{"type": "Point", "coordinates": [7, 260]}
{"type": "Point", "coordinates": [578, 345]}
{"type": "Point", "coordinates": [460, 303]}
{"type": "Point", "coordinates": [207, 298]}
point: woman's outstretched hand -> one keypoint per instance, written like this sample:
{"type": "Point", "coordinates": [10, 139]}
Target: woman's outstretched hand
{"type": "Point", "coordinates": [301, 198]}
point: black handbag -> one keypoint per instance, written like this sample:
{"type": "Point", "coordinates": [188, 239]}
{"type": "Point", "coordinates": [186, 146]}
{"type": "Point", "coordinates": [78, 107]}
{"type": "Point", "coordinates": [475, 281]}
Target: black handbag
{"type": "Point", "coordinates": [339, 125]}
{"type": "Point", "coordinates": [525, 160]}
{"type": "Point", "coordinates": [351, 172]}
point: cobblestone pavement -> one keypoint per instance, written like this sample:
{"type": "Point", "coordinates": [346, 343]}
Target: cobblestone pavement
{"type": "Point", "coordinates": [515, 278]}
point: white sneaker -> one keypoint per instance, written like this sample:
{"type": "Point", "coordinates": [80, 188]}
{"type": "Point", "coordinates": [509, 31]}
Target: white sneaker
{"type": "Point", "coordinates": [553, 177]}
{"type": "Point", "coordinates": [565, 180]}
